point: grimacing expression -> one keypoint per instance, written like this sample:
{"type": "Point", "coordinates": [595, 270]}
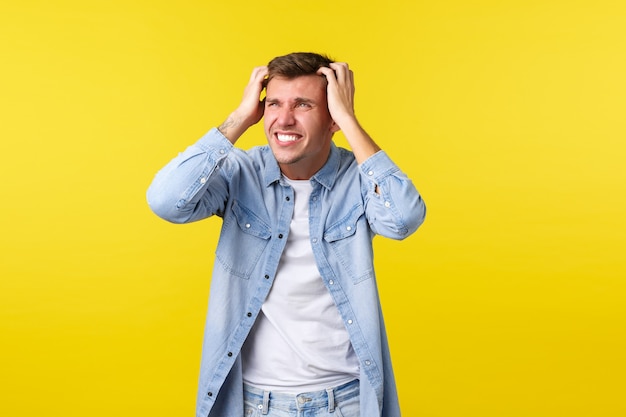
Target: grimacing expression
{"type": "Point", "coordinates": [298, 125]}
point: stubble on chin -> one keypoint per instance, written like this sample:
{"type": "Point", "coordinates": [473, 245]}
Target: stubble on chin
{"type": "Point", "coordinates": [287, 160]}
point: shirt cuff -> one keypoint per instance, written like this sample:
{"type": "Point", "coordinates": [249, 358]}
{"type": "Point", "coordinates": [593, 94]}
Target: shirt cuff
{"type": "Point", "coordinates": [214, 142]}
{"type": "Point", "coordinates": [378, 167]}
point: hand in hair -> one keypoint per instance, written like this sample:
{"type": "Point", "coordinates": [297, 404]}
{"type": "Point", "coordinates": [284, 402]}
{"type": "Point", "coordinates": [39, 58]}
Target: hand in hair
{"type": "Point", "coordinates": [250, 110]}
{"type": "Point", "coordinates": [340, 96]}
{"type": "Point", "coordinates": [340, 91]}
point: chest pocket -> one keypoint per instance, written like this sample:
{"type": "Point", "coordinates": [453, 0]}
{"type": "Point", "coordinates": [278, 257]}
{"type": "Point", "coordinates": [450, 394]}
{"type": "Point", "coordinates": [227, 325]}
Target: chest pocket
{"type": "Point", "coordinates": [243, 239]}
{"type": "Point", "coordinates": [350, 241]}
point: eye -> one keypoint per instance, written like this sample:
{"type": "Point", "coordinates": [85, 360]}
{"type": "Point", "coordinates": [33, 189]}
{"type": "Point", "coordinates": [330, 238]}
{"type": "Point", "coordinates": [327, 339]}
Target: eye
{"type": "Point", "coordinates": [304, 105]}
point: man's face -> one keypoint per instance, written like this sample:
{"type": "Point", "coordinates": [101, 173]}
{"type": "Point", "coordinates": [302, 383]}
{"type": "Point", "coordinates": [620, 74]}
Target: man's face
{"type": "Point", "coordinates": [298, 125]}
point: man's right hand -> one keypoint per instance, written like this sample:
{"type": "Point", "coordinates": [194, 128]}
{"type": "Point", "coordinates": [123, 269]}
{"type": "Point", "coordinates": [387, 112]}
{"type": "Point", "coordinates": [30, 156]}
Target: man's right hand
{"type": "Point", "coordinates": [250, 110]}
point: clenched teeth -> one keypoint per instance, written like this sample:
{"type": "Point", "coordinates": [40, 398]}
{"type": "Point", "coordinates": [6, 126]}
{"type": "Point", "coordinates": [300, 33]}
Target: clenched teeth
{"type": "Point", "coordinates": [286, 138]}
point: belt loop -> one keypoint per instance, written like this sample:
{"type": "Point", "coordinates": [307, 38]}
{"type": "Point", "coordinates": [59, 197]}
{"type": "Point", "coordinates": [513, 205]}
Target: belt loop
{"type": "Point", "coordinates": [266, 402]}
{"type": "Point", "coordinates": [331, 400]}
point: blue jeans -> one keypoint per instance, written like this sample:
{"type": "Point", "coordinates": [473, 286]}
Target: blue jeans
{"type": "Point", "coordinates": [341, 401]}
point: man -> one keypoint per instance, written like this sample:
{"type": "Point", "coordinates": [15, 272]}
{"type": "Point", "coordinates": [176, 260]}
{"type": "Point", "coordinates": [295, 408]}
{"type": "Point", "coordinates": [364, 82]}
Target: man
{"type": "Point", "coordinates": [294, 320]}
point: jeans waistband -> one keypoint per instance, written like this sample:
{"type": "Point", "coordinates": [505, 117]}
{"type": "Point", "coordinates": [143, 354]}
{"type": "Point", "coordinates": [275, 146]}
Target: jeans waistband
{"type": "Point", "coordinates": [307, 400]}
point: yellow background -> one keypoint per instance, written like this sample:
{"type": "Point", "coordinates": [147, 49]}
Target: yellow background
{"type": "Point", "coordinates": [508, 115]}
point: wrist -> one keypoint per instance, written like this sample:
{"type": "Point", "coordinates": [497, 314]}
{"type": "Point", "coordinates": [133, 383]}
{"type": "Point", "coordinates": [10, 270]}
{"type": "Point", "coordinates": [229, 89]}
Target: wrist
{"type": "Point", "coordinates": [232, 128]}
{"type": "Point", "coordinates": [363, 146]}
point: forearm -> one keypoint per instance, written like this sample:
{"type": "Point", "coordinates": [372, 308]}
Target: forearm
{"type": "Point", "coordinates": [393, 205]}
{"type": "Point", "coordinates": [361, 143]}
{"type": "Point", "coordinates": [190, 186]}
{"type": "Point", "coordinates": [233, 127]}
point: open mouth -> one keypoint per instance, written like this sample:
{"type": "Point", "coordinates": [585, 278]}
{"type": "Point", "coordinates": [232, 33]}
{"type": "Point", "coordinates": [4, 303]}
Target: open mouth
{"type": "Point", "coordinates": [286, 138]}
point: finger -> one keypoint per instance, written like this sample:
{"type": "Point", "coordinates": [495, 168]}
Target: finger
{"type": "Point", "coordinates": [257, 81]}
{"type": "Point", "coordinates": [325, 71]}
{"type": "Point", "coordinates": [258, 74]}
{"type": "Point", "coordinates": [352, 80]}
{"type": "Point", "coordinates": [342, 70]}
{"type": "Point", "coordinates": [329, 74]}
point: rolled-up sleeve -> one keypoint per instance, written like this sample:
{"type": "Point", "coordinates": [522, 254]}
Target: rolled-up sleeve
{"type": "Point", "coordinates": [192, 186]}
{"type": "Point", "coordinates": [393, 206]}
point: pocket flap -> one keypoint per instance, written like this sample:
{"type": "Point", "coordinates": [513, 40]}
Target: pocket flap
{"type": "Point", "coordinates": [249, 222]}
{"type": "Point", "coordinates": [346, 226]}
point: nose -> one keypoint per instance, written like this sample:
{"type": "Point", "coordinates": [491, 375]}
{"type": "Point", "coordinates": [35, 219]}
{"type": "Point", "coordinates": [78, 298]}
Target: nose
{"type": "Point", "coordinates": [285, 116]}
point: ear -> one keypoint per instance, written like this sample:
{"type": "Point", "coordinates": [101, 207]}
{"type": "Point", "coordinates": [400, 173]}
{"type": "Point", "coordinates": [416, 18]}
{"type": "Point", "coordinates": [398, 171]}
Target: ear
{"type": "Point", "coordinates": [334, 127]}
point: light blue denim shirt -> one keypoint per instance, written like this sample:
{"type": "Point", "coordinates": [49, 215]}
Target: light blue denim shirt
{"type": "Point", "coordinates": [212, 177]}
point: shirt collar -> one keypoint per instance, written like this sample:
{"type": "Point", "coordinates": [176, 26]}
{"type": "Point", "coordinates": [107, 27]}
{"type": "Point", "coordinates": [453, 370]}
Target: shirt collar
{"type": "Point", "coordinates": [328, 173]}
{"type": "Point", "coordinates": [325, 176]}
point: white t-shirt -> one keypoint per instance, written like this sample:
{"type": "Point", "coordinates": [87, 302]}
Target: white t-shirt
{"type": "Point", "coordinates": [299, 342]}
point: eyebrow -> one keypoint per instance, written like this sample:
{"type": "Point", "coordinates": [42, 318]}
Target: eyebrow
{"type": "Point", "coordinates": [297, 100]}
{"type": "Point", "coordinates": [305, 100]}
